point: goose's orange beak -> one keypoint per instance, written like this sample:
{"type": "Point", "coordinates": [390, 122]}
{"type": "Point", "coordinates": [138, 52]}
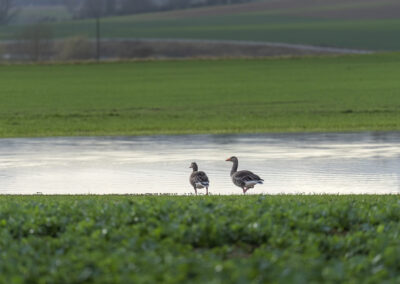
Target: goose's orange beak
{"type": "Point", "coordinates": [228, 159]}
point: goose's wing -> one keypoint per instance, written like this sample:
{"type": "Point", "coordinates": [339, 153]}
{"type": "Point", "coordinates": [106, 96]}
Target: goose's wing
{"type": "Point", "coordinates": [246, 176]}
{"type": "Point", "coordinates": [199, 177]}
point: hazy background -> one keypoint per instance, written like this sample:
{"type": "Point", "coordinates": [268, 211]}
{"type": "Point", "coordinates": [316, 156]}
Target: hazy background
{"type": "Point", "coordinates": [42, 30]}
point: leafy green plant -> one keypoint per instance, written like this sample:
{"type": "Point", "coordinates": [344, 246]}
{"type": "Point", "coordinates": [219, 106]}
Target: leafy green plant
{"type": "Point", "coordinates": [216, 239]}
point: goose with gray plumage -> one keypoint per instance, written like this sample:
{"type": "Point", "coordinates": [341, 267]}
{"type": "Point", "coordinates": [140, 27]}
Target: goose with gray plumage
{"type": "Point", "coordinates": [198, 179]}
{"type": "Point", "coordinates": [243, 179]}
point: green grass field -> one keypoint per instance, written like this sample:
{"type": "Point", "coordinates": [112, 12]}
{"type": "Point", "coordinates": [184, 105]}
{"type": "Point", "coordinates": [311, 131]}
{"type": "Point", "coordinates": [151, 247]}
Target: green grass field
{"type": "Point", "coordinates": [236, 239]}
{"type": "Point", "coordinates": [373, 24]}
{"type": "Point", "coordinates": [347, 93]}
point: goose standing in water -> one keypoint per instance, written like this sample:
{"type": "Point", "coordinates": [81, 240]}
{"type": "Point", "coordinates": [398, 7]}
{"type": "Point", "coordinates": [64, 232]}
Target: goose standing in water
{"type": "Point", "coordinates": [243, 179]}
{"type": "Point", "coordinates": [198, 179]}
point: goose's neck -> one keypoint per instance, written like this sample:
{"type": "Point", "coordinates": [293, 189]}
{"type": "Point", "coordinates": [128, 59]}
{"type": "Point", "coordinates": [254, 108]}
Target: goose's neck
{"type": "Point", "coordinates": [234, 167]}
{"type": "Point", "coordinates": [195, 168]}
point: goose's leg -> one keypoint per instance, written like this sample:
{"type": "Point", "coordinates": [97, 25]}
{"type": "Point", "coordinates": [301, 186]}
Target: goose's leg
{"type": "Point", "coordinates": [244, 190]}
{"type": "Point", "coordinates": [206, 190]}
{"type": "Point", "coordinates": [195, 190]}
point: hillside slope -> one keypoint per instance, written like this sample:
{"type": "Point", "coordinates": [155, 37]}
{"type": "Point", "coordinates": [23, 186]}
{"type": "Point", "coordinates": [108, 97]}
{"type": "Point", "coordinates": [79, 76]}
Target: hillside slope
{"type": "Point", "coordinates": [361, 24]}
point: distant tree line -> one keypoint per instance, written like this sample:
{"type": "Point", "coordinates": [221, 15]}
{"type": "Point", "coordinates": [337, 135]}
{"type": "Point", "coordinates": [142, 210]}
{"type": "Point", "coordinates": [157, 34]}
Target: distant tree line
{"type": "Point", "coordinates": [182, 4]}
{"type": "Point", "coordinates": [9, 8]}
{"type": "Point", "coordinates": [38, 2]}
{"type": "Point", "coordinates": [84, 8]}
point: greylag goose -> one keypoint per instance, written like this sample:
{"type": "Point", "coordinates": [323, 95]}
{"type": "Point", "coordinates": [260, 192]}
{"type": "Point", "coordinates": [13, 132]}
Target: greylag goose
{"type": "Point", "coordinates": [198, 179]}
{"type": "Point", "coordinates": [243, 179]}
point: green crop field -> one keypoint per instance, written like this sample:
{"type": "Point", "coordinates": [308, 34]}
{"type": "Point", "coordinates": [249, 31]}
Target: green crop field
{"type": "Point", "coordinates": [347, 93]}
{"type": "Point", "coordinates": [372, 24]}
{"type": "Point", "coordinates": [236, 239]}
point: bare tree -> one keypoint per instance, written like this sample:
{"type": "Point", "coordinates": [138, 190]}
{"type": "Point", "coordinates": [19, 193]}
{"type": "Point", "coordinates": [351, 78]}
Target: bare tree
{"type": "Point", "coordinates": [5, 11]}
{"type": "Point", "coordinates": [36, 42]}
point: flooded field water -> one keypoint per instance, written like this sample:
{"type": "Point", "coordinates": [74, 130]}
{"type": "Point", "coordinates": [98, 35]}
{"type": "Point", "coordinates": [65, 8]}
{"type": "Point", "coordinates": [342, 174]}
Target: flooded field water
{"type": "Point", "coordinates": [341, 163]}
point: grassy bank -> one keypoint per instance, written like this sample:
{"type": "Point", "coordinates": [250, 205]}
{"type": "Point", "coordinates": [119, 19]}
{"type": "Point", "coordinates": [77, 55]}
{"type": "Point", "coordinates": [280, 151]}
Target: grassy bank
{"type": "Point", "coordinates": [242, 239]}
{"type": "Point", "coordinates": [201, 96]}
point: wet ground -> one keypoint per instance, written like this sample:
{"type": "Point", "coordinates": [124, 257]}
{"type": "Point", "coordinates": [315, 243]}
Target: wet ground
{"type": "Point", "coordinates": [341, 163]}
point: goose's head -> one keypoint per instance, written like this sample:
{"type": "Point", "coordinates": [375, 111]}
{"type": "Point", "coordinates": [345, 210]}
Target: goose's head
{"type": "Point", "coordinates": [193, 166]}
{"type": "Point", "coordinates": [232, 159]}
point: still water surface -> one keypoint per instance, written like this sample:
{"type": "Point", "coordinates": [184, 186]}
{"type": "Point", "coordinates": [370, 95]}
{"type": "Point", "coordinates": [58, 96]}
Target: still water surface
{"type": "Point", "coordinates": [289, 163]}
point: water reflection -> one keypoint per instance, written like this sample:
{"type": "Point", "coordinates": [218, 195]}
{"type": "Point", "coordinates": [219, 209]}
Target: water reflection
{"type": "Point", "coordinates": [289, 163]}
